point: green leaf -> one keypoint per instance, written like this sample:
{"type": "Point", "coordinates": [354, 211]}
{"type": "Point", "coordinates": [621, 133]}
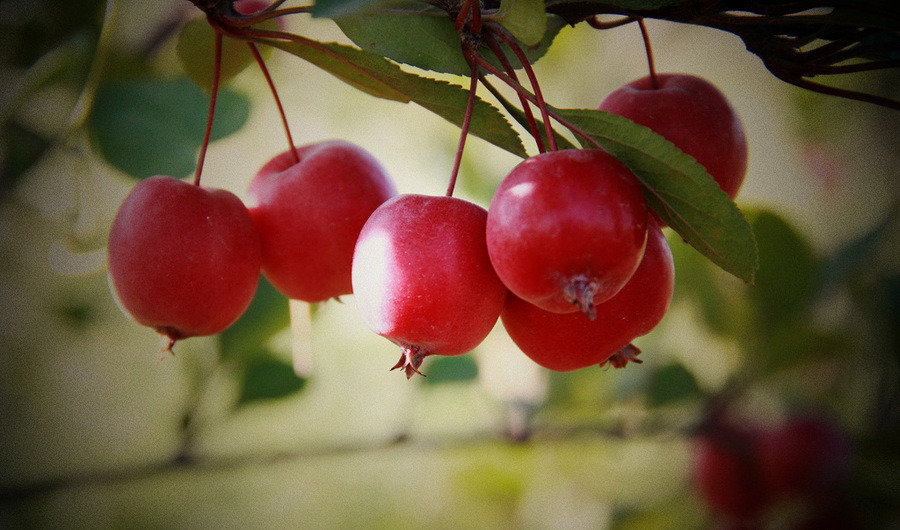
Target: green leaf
{"type": "Point", "coordinates": [786, 345]}
{"type": "Point", "coordinates": [700, 283]}
{"type": "Point", "coordinates": [154, 127]}
{"type": "Point", "coordinates": [671, 384]}
{"type": "Point", "coordinates": [423, 40]}
{"type": "Point", "coordinates": [519, 115]}
{"type": "Point", "coordinates": [788, 269]}
{"type": "Point", "coordinates": [525, 19]}
{"type": "Point", "coordinates": [196, 52]}
{"type": "Point", "coordinates": [381, 78]}
{"type": "Point", "coordinates": [443, 369]}
{"type": "Point", "coordinates": [340, 8]}
{"type": "Point", "coordinates": [268, 377]}
{"type": "Point", "coordinates": [427, 39]}
{"type": "Point", "coordinates": [267, 314]}
{"type": "Point", "coordinates": [677, 188]}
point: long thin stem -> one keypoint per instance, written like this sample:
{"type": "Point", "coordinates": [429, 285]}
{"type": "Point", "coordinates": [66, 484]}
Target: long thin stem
{"type": "Point", "coordinates": [654, 80]}
{"type": "Point", "coordinates": [214, 93]}
{"type": "Point", "coordinates": [475, 7]}
{"type": "Point", "coordinates": [532, 78]}
{"type": "Point", "coordinates": [526, 107]}
{"type": "Point", "coordinates": [284, 122]}
{"type": "Point", "coordinates": [467, 119]}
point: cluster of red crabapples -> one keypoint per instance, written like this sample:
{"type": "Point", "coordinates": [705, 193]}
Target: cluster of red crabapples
{"type": "Point", "coordinates": [568, 256]}
{"type": "Point", "coordinates": [797, 470]}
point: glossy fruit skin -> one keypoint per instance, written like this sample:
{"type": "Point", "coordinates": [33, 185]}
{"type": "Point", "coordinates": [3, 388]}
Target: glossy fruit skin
{"type": "Point", "coordinates": [183, 259]}
{"type": "Point", "coordinates": [694, 115]}
{"type": "Point", "coordinates": [567, 229]}
{"type": "Point", "coordinates": [309, 215]}
{"type": "Point", "coordinates": [422, 277]}
{"type": "Point", "coordinates": [566, 342]}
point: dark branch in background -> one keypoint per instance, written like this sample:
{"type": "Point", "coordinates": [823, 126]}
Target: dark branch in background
{"type": "Point", "coordinates": [796, 40]}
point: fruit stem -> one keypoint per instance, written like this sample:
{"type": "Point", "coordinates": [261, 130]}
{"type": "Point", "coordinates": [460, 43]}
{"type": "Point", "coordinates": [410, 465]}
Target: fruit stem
{"type": "Point", "coordinates": [214, 93]}
{"type": "Point", "coordinates": [467, 120]}
{"type": "Point", "coordinates": [475, 7]}
{"type": "Point", "coordinates": [411, 357]}
{"type": "Point", "coordinates": [532, 78]}
{"type": "Point", "coordinates": [284, 122]}
{"type": "Point", "coordinates": [526, 107]}
{"type": "Point", "coordinates": [654, 80]}
{"type": "Point", "coordinates": [577, 131]}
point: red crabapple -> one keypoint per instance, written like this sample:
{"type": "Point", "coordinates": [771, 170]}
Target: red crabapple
{"type": "Point", "coordinates": [422, 277]}
{"type": "Point", "coordinates": [567, 229]}
{"type": "Point", "coordinates": [183, 259]}
{"type": "Point", "coordinates": [565, 342]}
{"type": "Point", "coordinates": [309, 215]}
{"type": "Point", "coordinates": [806, 457]}
{"type": "Point", "coordinates": [694, 115]}
{"type": "Point", "coordinates": [727, 474]}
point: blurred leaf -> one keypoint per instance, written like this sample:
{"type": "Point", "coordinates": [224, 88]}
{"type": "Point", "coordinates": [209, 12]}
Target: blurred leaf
{"type": "Point", "coordinates": [29, 30]}
{"type": "Point", "coordinates": [697, 281]}
{"type": "Point", "coordinates": [672, 383]}
{"type": "Point", "coordinates": [789, 345]}
{"type": "Point", "coordinates": [267, 314]}
{"type": "Point", "coordinates": [859, 253]}
{"type": "Point", "coordinates": [19, 149]}
{"type": "Point", "coordinates": [788, 270]}
{"type": "Point", "coordinates": [526, 20]}
{"type": "Point", "coordinates": [196, 52]}
{"type": "Point", "coordinates": [678, 189]}
{"type": "Point", "coordinates": [427, 41]}
{"type": "Point", "coordinates": [268, 377]}
{"type": "Point", "coordinates": [378, 77]}
{"type": "Point", "coordinates": [444, 369]}
{"type": "Point", "coordinates": [341, 8]}
{"type": "Point", "coordinates": [154, 127]}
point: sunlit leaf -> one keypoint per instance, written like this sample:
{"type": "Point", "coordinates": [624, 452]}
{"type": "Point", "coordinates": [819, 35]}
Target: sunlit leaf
{"type": "Point", "coordinates": [526, 20]}
{"type": "Point", "coordinates": [677, 188]}
{"type": "Point", "coordinates": [155, 127]}
{"type": "Point", "coordinates": [381, 78]}
{"type": "Point", "coordinates": [196, 52]}
{"type": "Point", "coordinates": [429, 40]}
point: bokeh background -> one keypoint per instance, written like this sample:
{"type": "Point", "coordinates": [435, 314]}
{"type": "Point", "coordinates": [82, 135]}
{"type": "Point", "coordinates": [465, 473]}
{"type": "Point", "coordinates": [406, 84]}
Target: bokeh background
{"type": "Point", "coordinates": [292, 419]}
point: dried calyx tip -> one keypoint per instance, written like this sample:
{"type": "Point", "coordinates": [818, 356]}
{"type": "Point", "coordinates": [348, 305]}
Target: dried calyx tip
{"type": "Point", "coordinates": [621, 358]}
{"type": "Point", "coordinates": [580, 291]}
{"type": "Point", "coordinates": [411, 358]}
